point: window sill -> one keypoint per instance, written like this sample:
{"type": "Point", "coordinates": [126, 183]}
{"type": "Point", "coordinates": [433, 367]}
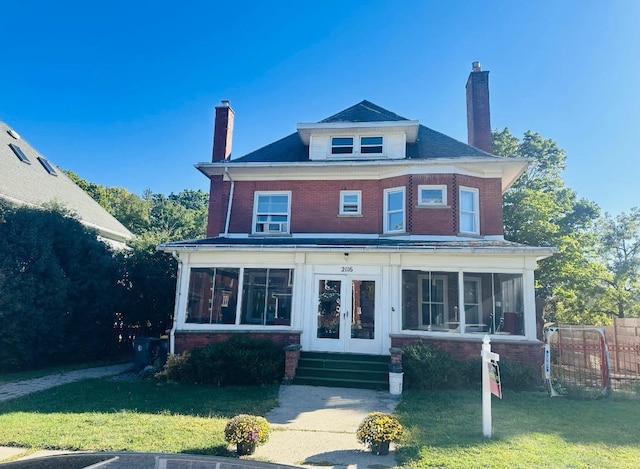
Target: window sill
{"type": "Point", "coordinates": [350, 215]}
{"type": "Point", "coordinates": [439, 206]}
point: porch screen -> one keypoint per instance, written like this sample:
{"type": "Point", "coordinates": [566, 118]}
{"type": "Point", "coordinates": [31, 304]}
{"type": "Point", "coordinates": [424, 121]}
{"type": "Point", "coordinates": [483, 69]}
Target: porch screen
{"type": "Point", "coordinates": [213, 295]}
{"type": "Point", "coordinates": [266, 297]}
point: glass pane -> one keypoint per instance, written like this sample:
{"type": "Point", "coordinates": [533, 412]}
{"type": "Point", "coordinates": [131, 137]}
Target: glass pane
{"type": "Point", "coordinates": [372, 149]}
{"type": "Point", "coordinates": [431, 196]}
{"type": "Point", "coordinates": [266, 296]}
{"type": "Point", "coordinates": [396, 222]}
{"type": "Point", "coordinates": [468, 223]}
{"type": "Point", "coordinates": [350, 199]}
{"type": "Point", "coordinates": [467, 201]}
{"type": "Point", "coordinates": [364, 309]}
{"type": "Point", "coordinates": [394, 200]}
{"type": "Point", "coordinates": [371, 141]}
{"type": "Point", "coordinates": [342, 141]}
{"type": "Point", "coordinates": [328, 321]}
{"type": "Point", "coordinates": [429, 301]}
{"type": "Point", "coordinates": [341, 150]}
{"type": "Point", "coordinates": [213, 296]}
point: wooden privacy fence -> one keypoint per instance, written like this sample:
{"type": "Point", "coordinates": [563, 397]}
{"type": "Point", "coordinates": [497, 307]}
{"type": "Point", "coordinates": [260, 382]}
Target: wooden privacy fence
{"type": "Point", "coordinates": [623, 342]}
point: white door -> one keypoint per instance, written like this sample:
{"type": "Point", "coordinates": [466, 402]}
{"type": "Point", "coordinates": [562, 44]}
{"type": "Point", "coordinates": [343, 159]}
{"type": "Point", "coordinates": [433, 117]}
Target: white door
{"type": "Point", "coordinates": [347, 314]}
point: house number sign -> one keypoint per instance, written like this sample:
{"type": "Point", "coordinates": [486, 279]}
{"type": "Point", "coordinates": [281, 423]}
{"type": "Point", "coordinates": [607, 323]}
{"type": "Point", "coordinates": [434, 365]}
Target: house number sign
{"type": "Point", "coordinates": [346, 269]}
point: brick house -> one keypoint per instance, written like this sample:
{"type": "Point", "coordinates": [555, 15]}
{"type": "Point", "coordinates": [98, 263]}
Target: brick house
{"type": "Point", "coordinates": [360, 234]}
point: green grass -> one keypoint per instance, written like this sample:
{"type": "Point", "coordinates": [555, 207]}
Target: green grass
{"type": "Point", "coordinates": [529, 430]}
{"type": "Point", "coordinates": [103, 415]}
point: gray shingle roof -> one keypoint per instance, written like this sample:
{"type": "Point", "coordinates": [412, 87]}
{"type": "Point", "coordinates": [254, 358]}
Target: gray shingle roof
{"type": "Point", "coordinates": [429, 144]}
{"type": "Point", "coordinates": [31, 184]}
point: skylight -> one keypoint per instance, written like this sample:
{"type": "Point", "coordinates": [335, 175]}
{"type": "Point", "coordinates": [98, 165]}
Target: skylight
{"type": "Point", "coordinates": [19, 153]}
{"type": "Point", "coordinates": [47, 165]}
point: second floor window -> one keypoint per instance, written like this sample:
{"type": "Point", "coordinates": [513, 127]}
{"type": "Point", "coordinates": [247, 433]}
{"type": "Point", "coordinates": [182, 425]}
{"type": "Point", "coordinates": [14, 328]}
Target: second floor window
{"type": "Point", "coordinates": [394, 215]}
{"type": "Point", "coordinates": [271, 213]}
{"type": "Point", "coordinates": [469, 211]}
{"type": "Point", "coordinates": [371, 145]}
{"type": "Point", "coordinates": [350, 203]}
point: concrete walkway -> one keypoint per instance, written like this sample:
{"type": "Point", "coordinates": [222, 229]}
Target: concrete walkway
{"type": "Point", "coordinates": [15, 389]}
{"type": "Point", "coordinates": [312, 426]}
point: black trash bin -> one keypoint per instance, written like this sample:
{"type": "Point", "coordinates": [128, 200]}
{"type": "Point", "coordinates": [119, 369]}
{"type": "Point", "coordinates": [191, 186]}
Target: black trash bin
{"type": "Point", "coordinates": [145, 351]}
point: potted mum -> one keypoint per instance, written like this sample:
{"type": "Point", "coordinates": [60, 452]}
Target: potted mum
{"type": "Point", "coordinates": [377, 430]}
{"type": "Point", "coordinates": [246, 432]}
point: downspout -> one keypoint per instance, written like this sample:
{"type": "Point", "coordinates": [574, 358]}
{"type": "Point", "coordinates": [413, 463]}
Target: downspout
{"type": "Point", "coordinates": [172, 333]}
{"type": "Point", "coordinates": [230, 203]}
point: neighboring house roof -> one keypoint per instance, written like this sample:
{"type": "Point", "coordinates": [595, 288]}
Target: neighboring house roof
{"type": "Point", "coordinates": [33, 185]}
{"type": "Point", "coordinates": [429, 144]}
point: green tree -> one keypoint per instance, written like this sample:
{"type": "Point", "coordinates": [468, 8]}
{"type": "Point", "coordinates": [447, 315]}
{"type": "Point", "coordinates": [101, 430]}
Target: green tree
{"type": "Point", "coordinates": [620, 252]}
{"type": "Point", "coordinates": [59, 289]}
{"type": "Point", "coordinates": [540, 210]}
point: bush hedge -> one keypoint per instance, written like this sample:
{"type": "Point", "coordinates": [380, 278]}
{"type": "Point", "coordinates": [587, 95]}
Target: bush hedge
{"type": "Point", "coordinates": [238, 361]}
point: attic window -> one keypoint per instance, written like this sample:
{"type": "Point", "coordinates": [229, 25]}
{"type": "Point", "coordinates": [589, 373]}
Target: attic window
{"type": "Point", "coordinates": [45, 162]}
{"type": "Point", "coordinates": [341, 145]}
{"type": "Point", "coordinates": [370, 144]}
{"type": "Point", "coordinates": [19, 153]}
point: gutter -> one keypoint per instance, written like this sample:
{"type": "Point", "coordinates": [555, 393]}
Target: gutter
{"type": "Point", "coordinates": [230, 203]}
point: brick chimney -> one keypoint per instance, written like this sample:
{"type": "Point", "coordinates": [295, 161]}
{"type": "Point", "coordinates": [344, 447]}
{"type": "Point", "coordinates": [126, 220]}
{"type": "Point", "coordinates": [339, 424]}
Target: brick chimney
{"type": "Point", "coordinates": [223, 131]}
{"type": "Point", "coordinates": [478, 115]}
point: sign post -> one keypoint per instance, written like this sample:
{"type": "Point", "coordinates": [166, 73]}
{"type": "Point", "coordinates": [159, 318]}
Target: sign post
{"type": "Point", "coordinates": [490, 383]}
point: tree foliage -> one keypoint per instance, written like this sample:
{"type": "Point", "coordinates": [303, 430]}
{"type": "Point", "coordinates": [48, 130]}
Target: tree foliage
{"type": "Point", "coordinates": [540, 210]}
{"type": "Point", "coordinates": [59, 289]}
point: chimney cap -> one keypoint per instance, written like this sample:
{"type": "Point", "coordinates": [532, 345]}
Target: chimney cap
{"type": "Point", "coordinates": [476, 67]}
{"type": "Point", "coordinates": [224, 103]}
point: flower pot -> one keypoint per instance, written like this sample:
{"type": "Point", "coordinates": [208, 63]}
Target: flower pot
{"type": "Point", "coordinates": [246, 447]}
{"type": "Point", "coordinates": [381, 448]}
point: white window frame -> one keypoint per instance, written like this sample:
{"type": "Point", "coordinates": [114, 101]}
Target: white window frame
{"type": "Point", "coordinates": [256, 197]}
{"type": "Point", "coordinates": [387, 212]}
{"type": "Point", "coordinates": [421, 300]}
{"type": "Point", "coordinates": [475, 213]}
{"type": "Point", "coordinates": [431, 187]}
{"type": "Point", "coordinates": [352, 146]}
{"type": "Point", "coordinates": [369, 145]}
{"type": "Point", "coordinates": [344, 204]}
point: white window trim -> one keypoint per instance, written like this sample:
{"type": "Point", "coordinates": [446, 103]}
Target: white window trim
{"type": "Point", "coordinates": [360, 145]}
{"type": "Point", "coordinates": [352, 146]}
{"type": "Point", "coordinates": [476, 209]}
{"type": "Point", "coordinates": [356, 148]}
{"type": "Point", "coordinates": [342, 203]}
{"type": "Point", "coordinates": [441, 187]}
{"type": "Point", "coordinates": [254, 222]}
{"type": "Point", "coordinates": [386, 212]}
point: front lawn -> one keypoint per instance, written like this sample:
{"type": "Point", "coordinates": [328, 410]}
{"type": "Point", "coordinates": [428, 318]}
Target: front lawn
{"type": "Point", "coordinates": [530, 429]}
{"type": "Point", "coordinates": [104, 415]}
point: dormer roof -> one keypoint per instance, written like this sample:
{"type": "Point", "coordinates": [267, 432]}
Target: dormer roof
{"type": "Point", "coordinates": [422, 142]}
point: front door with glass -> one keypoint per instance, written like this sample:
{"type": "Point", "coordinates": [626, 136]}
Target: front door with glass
{"type": "Point", "coordinates": [346, 314]}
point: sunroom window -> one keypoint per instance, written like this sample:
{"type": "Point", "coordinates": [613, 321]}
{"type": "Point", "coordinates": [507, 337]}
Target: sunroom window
{"type": "Point", "coordinates": [492, 303]}
{"type": "Point", "coordinates": [213, 295]}
{"type": "Point", "coordinates": [266, 296]}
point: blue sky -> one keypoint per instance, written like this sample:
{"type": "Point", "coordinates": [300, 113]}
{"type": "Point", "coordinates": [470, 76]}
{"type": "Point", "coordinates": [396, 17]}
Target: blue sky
{"type": "Point", "coordinates": [123, 92]}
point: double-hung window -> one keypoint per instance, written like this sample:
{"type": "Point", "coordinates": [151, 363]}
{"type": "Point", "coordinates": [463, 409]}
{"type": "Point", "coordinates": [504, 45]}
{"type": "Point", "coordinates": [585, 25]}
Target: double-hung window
{"type": "Point", "coordinates": [350, 203]}
{"type": "Point", "coordinates": [272, 211]}
{"type": "Point", "coordinates": [394, 210]}
{"type": "Point", "coordinates": [371, 145]}
{"type": "Point", "coordinates": [469, 211]}
{"type": "Point", "coordinates": [341, 145]}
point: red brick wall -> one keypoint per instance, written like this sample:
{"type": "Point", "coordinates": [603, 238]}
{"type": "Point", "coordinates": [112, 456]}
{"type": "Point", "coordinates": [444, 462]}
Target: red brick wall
{"type": "Point", "coordinates": [315, 205]}
{"type": "Point", "coordinates": [218, 201]}
{"type": "Point", "coordinates": [530, 354]}
{"type": "Point", "coordinates": [184, 341]}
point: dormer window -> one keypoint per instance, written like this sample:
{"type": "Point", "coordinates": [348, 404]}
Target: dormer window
{"type": "Point", "coordinates": [371, 145]}
{"type": "Point", "coordinates": [341, 145]}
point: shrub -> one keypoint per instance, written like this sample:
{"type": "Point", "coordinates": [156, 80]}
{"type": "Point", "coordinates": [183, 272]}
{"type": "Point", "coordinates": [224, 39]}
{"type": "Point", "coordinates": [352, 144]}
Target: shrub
{"type": "Point", "coordinates": [245, 428]}
{"type": "Point", "coordinates": [518, 377]}
{"type": "Point", "coordinates": [238, 361]}
{"type": "Point", "coordinates": [378, 427]}
{"type": "Point", "coordinates": [427, 368]}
